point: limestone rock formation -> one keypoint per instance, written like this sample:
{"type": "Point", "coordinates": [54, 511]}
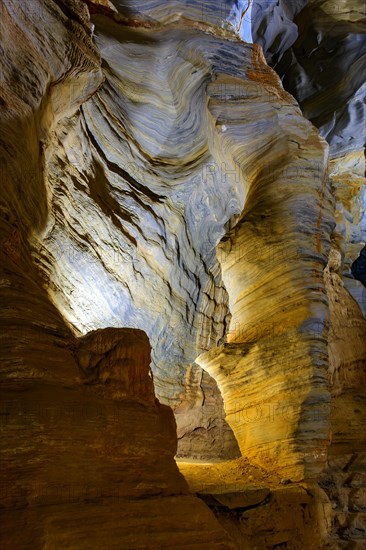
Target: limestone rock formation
{"type": "Point", "coordinates": [318, 47]}
{"type": "Point", "coordinates": [87, 450]}
{"type": "Point", "coordinates": [280, 348]}
{"type": "Point", "coordinates": [161, 187]}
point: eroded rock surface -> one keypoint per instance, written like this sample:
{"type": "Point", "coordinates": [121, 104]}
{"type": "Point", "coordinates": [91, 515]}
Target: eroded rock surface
{"type": "Point", "coordinates": [87, 450]}
{"type": "Point", "coordinates": [318, 48]}
{"type": "Point", "coordinates": [259, 509]}
{"type": "Point", "coordinates": [278, 349]}
{"type": "Point", "coordinates": [132, 199]}
{"type": "Point", "coordinates": [157, 176]}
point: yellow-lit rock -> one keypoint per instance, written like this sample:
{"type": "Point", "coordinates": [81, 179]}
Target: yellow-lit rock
{"type": "Point", "coordinates": [272, 371]}
{"type": "Point", "coordinates": [160, 186]}
{"type": "Point", "coordinates": [87, 451]}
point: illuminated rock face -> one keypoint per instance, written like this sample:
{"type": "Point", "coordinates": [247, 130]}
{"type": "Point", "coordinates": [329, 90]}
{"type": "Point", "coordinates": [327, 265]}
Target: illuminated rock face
{"type": "Point", "coordinates": [143, 181]}
{"type": "Point", "coordinates": [158, 177]}
{"type": "Point", "coordinates": [104, 219]}
{"type": "Point", "coordinates": [87, 450]}
{"type": "Point", "coordinates": [318, 48]}
{"type": "Point", "coordinates": [277, 337]}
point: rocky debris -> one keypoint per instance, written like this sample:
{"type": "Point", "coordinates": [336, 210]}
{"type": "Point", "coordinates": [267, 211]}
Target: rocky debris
{"type": "Point", "coordinates": [257, 510]}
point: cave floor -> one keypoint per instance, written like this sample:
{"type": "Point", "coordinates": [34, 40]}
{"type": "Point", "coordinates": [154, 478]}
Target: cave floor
{"type": "Point", "coordinates": [258, 509]}
{"type": "Point", "coordinates": [222, 477]}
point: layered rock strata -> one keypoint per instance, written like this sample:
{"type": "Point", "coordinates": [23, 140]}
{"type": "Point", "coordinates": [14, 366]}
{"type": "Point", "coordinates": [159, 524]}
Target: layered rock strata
{"type": "Point", "coordinates": [87, 451]}
{"type": "Point", "coordinates": [134, 140]}
{"type": "Point", "coordinates": [344, 478]}
{"type": "Point", "coordinates": [131, 199]}
{"type": "Point", "coordinates": [86, 448]}
{"type": "Point", "coordinates": [272, 371]}
{"type": "Point", "coordinates": [259, 509]}
{"type": "Point", "coordinates": [318, 48]}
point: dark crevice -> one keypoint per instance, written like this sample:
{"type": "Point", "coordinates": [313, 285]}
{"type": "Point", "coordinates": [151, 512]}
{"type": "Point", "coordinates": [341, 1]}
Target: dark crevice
{"type": "Point", "coordinates": [358, 268]}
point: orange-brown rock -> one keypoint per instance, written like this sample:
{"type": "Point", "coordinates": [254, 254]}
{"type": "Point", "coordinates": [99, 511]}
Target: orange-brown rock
{"type": "Point", "coordinates": [160, 186]}
{"type": "Point", "coordinates": [87, 451]}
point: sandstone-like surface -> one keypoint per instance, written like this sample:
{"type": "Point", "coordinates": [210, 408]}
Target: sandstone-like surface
{"type": "Point", "coordinates": [161, 187]}
{"type": "Point", "coordinates": [259, 509]}
{"type": "Point", "coordinates": [143, 201]}
{"type": "Point", "coordinates": [87, 451]}
{"type": "Point", "coordinates": [344, 478]}
{"type": "Point", "coordinates": [273, 368]}
{"type": "Point", "coordinates": [318, 49]}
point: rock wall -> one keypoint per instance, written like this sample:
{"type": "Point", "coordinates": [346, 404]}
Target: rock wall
{"type": "Point", "coordinates": [317, 48]}
{"type": "Point", "coordinates": [157, 176]}
{"type": "Point", "coordinates": [86, 448]}
{"type": "Point", "coordinates": [131, 200]}
{"type": "Point", "coordinates": [277, 340]}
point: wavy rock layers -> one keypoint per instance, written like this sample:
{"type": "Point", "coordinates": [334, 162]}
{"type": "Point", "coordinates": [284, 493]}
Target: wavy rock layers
{"type": "Point", "coordinates": [38, 68]}
{"type": "Point", "coordinates": [277, 340]}
{"type": "Point", "coordinates": [227, 15]}
{"type": "Point", "coordinates": [86, 450]}
{"type": "Point", "coordinates": [87, 454]}
{"type": "Point", "coordinates": [349, 189]}
{"type": "Point", "coordinates": [318, 49]}
{"type": "Point", "coordinates": [141, 184]}
{"type": "Point", "coordinates": [129, 202]}
{"type": "Point", "coordinates": [344, 479]}
{"type": "Point", "coordinates": [346, 364]}
{"type": "Point", "coordinates": [320, 62]}
{"type": "Point", "coordinates": [147, 191]}
{"type": "Point", "coordinates": [95, 252]}
{"type": "Point", "coordinates": [131, 146]}
{"type": "Point", "coordinates": [108, 236]}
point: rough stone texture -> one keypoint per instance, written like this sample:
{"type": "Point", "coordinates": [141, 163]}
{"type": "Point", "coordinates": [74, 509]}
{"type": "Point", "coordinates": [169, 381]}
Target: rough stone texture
{"type": "Point", "coordinates": [287, 518]}
{"type": "Point", "coordinates": [344, 478]}
{"type": "Point", "coordinates": [349, 189]}
{"type": "Point", "coordinates": [318, 47]}
{"type": "Point", "coordinates": [109, 167]}
{"type": "Point", "coordinates": [134, 141]}
{"type": "Point", "coordinates": [87, 450]}
{"type": "Point", "coordinates": [258, 509]}
{"type": "Point", "coordinates": [205, 434]}
{"type": "Point", "coordinates": [277, 341]}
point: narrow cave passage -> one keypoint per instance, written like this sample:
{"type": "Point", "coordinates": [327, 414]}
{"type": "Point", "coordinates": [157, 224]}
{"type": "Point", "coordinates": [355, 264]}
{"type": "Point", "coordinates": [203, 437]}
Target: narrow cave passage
{"type": "Point", "coordinates": [182, 344]}
{"type": "Point", "coordinates": [359, 267]}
